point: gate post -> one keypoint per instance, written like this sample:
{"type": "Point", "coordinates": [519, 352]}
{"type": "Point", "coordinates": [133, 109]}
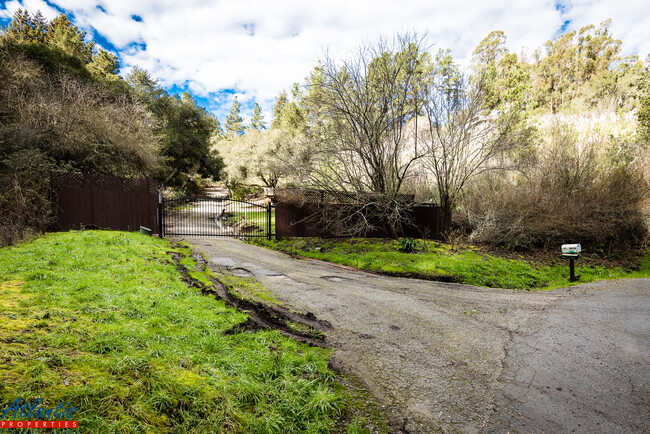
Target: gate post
{"type": "Point", "coordinates": [160, 215]}
{"type": "Point", "coordinates": [268, 221]}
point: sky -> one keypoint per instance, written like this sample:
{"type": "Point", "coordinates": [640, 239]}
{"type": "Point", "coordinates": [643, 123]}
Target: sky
{"type": "Point", "coordinates": [253, 49]}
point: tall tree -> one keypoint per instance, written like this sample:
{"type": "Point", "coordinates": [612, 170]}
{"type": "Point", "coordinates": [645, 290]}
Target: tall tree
{"type": "Point", "coordinates": [571, 60]}
{"type": "Point", "coordinates": [66, 39]}
{"type": "Point", "coordinates": [26, 28]}
{"type": "Point", "coordinates": [448, 77]}
{"type": "Point", "coordinates": [464, 136]}
{"type": "Point", "coordinates": [643, 114]}
{"type": "Point", "coordinates": [234, 122]}
{"type": "Point", "coordinates": [358, 141]}
{"type": "Point", "coordinates": [257, 121]}
{"type": "Point", "coordinates": [145, 87]}
{"type": "Point", "coordinates": [597, 49]}
{"type": "Point", "coordinates": [62, 34]}
{"type": "Point", "coordinates": [505, 79]}
{"type": "Point", "coordinates": [291, 115]}
{"type": "Point", "coordinates": [184, 131]}
{"type": "Point", "coordinates": [280, 102]}
{"type": "Point", "coordinates": [105, 65]}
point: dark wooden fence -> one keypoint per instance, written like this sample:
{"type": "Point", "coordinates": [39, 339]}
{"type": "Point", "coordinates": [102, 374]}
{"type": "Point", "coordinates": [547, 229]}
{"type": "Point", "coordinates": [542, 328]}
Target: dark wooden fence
{"type": "Point", "coordinates": [305, 220]}
{"type": "Point", "coordinates": [104, 202]}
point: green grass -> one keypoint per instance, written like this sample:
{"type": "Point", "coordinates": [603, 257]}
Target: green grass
{"type": "Point", "coordinates": [102, 320]}
{"type": "Point", "coordinates": [256, 218]}
{"type": "Point", "coordinates": [469, 265]}
{"type": "Point", "coordinates": [248, 288]}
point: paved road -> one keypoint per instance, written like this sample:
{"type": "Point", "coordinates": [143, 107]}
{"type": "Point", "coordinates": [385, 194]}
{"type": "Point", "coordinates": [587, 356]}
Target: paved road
{"type": "Point", "coordinates": [583, 366]}
{"type": "Point", "coordinates": [457, 358]}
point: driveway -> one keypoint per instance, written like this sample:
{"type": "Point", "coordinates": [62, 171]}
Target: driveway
{"type": "Point", "coordinates": [458, 358]}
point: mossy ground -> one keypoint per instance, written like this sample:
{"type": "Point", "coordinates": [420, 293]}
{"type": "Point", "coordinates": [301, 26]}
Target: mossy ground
{"type": "Point", "coordinates": [438, 261]}
{"type": "Point", "coordinates": [103, 320]}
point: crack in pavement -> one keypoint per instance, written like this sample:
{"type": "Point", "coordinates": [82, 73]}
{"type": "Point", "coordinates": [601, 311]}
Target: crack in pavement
{"type": "Point", "coordinates": [458, 349]}
{"type": "Point", "coordinates": [589, 355]}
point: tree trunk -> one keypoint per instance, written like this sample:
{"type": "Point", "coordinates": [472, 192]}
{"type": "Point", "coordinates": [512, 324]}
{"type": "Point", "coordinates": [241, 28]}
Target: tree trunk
{"type": "Point", "coordinates": [446, 209]}
{"type": "Point", "coordinates": [390, 231]}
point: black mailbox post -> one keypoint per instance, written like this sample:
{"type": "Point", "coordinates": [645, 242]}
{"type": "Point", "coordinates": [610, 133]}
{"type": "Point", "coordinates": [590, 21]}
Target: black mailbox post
{"type": "Point", "coordinates": [571, 252]}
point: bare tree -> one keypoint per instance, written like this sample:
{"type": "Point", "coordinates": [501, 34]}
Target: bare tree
{"type": "Point", "coordinates": [357, 112]}
{"type": "Point", "coordinates": [463, 138]}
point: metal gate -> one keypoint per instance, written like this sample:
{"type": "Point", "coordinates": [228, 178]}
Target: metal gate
{"type": "Point", "coordinates": [207, 216]}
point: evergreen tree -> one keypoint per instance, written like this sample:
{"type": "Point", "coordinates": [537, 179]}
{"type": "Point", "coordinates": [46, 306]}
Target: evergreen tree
{"type": "Point", "coordinates": [485, 57]}
{"type": "Point", "coordinates": [65, 39]}
{"type": "Point", "coordinates": [449, 76]}
{"type": "Point", "coordinates": [257, 121]}
{"type": "Point", "coordinates": [105, 65]}
{"type": "Point", "coordinates": [26, 28]}
{"type": "Point", "coordinates": [280, 102]}
{"type": "Point", "coordinates": [571, 60]}
{"type": "Point", "coordinates": [218, 133]}
{"type": "Point", "coordinates": [234, 122]}
{"type": "Point", "coordinates": [288, 115]}
{"type": "Point", "coordinates": [643, 113]}
{"type": "Point", "coordinates": [185, 130]}
{"type": "Point", "coordinates": [145, 87]}
{"type": "Point", "coordinates": [64, 35]}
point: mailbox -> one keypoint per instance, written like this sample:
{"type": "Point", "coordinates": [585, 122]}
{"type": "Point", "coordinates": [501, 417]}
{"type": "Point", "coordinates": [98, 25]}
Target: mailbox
{"type": "Point", "coordinates": [571, 252]}
{"type": "Point", "coordinates": [571, 249]}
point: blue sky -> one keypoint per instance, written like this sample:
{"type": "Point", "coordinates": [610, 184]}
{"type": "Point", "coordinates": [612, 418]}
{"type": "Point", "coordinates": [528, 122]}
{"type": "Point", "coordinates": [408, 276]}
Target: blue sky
{"type": "Point", "coordinates": [255, 48]}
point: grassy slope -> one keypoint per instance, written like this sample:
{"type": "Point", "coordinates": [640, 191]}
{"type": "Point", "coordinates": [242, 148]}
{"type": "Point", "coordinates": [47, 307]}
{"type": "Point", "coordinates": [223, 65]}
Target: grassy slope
{"type": "Point", "coordinates": [102, 320]}
{"type": "Point", "coordinates": [439, 262]}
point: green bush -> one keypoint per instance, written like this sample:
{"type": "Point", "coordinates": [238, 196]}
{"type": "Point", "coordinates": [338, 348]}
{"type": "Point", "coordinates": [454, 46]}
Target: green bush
{"type": "Point", "coordinates": [408, 245]}
{"type": "Point", "coordinates": [241, 192]}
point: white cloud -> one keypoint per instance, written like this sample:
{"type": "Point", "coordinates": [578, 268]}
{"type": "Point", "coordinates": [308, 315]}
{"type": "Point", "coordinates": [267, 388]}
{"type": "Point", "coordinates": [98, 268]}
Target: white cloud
{"type": "Point", "coordinates": [8, 8]}
{"type": "Point", "coordinates": [259, 47]}
{"type": "Point", "coordinates": [630, 21]}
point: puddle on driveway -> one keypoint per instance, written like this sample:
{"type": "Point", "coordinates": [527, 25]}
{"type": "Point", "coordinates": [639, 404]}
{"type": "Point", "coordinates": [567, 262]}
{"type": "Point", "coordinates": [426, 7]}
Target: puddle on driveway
{"type": "Point", "coordinates": [336, 279]}
{"type": "Point", "coordinates": [224, 262]}
{"type": "Point", "coordinates": [259, 271]}
{"type": "Point", "coordinates": [238, 271]}
{"type": "Point", "coordinates": [247, 269]}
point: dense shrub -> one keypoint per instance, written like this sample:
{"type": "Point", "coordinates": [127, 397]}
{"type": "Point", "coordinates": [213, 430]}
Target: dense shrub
{"type": "Point", "coordinates": [24, 196]}
{"type": "Point", "coordinates": [573, 191]}
{"type": "Point", "coordinates": [60, 121]}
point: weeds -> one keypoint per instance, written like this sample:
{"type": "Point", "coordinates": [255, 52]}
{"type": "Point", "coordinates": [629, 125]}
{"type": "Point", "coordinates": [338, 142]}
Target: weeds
{"type": "Point", "coordinates": [408, 245]}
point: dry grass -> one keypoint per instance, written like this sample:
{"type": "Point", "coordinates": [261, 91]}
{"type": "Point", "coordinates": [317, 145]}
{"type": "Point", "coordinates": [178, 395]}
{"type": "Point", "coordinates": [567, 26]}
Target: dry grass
{"type": "Point", "coordinates": [579, 187]}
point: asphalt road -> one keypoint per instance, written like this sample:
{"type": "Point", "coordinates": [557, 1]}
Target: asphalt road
{"type": "Point", "coordinates": [583, 366]}
{"type": "Point", "coordinates": [456, 358]}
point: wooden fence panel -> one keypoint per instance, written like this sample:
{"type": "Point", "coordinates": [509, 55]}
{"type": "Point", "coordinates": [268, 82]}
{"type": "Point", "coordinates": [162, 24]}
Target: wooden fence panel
{"type": "Point", "coordinates": [139, 207]}
{"type": "Point", "coordinates": [100, 201]}
{"type": "Point", "coordinates": [293, 220]}
{"type": "Point", "coordinates": [302, 220]}
{"type": "Point", "coordinates": [106, 209]}
{"type": "Point", "coordinates": [69, 213]}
